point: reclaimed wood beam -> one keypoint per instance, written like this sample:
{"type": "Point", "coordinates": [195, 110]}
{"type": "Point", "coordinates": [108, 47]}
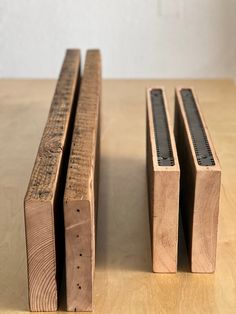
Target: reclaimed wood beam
{"type": "Point", "coordinates": [81, 192]}
{"type": "Point", "coordinates": [43, 204]}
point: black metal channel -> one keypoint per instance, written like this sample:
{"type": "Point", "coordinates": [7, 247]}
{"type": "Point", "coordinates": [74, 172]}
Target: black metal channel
{"type": "Point", "coordinates": [162, 135]}
{"type": "Point", "coordinates": [198, 134]}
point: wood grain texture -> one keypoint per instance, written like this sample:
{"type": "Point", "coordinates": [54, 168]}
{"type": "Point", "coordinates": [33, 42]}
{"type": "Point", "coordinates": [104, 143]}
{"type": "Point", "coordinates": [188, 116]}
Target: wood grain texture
{"type": "Point", "coordinates": [43, 200]}
{"type": "Point", "coordinates": [80, 199]}
{"type": "Point", "coordinates": [163, 187]}
{"type": "Point", "coordinates": [200, 192]}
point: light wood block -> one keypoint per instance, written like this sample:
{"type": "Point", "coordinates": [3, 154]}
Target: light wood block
{"type": "Point", "coordinates": [200, 182]}
{"type": "Point", "coordinates": [80, 199]}
{"type": "Point", "coordinates": [163, 183]}
{"type": "Point", "coordinates": [43, 200]}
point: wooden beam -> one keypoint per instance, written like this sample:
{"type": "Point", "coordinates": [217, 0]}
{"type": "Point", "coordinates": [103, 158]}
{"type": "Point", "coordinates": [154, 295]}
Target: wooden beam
{"type": "Point", "coordinates": [163, 183]}
{"type": "Point", "coordinates": [43, 200]}
{"type": "Point", "coordinates": [200, 181]}
{"type": "Point", "coordinates": [80, 199]}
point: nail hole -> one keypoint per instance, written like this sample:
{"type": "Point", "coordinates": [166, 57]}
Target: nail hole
{"type": "Point", "coordinates": [78, 267]}
{"type": "Point", "coordinates": [80, 254]}
{"type": "Point", "coordinates": [77, 236]}
{"type": "Point", "coordinates": [78, 210]}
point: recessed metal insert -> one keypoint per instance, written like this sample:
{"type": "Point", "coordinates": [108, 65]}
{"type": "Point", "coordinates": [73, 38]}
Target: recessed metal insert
{"type": "Point", "coordinates": [162, 135]}
{"type": "Point", "coordinates": [198, 134]}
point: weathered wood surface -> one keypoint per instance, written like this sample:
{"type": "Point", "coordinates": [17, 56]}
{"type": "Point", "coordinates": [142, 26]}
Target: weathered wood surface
{"type": "Point", "coordinates": [43, 200]}
{"type": "Point", "coordinates": [80, 199]}
{"type": "Point", "coordinates": [163, 188]}
{"type": "Point", "coordinates": [200, 192]}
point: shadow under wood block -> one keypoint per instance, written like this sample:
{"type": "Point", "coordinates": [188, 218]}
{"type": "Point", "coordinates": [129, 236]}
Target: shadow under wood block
{"type": "Point", "coordinates": [200, 182]}
{"type": "Point", "coordinates": [81, 192]}
{"type": "Point", "coordinates": [43, 204]}
{"type": "Point", "coordinates": [163, 183]}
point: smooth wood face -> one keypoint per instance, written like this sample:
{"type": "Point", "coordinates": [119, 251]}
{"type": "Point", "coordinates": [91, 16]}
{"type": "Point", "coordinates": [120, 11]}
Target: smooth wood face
{"type": "Point", "coordinates": [43, 203]}
{"type": "Point", "coordinates": [124, 281]}
{"type": "Point", "coordinates": [200, 192]}
{"type": "Point", "coordinates": [80, 197]}
{"type": "Point", "coordinates": [163, 187]}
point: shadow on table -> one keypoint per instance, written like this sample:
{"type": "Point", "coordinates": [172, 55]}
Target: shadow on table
{"type": "Point", "coordinates": [123, 233]}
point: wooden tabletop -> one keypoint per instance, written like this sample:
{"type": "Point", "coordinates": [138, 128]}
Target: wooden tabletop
{"type": "Point", "coordinates": [124, 282]}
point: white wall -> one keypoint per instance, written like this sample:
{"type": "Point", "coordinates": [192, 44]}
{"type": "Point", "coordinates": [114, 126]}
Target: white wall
{"type": "Point", "coordinates": [138, 38]}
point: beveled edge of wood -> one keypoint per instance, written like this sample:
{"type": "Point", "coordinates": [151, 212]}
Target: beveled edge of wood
{"type": "Point", "coordinates": [156, 167]}
{"type": "Point", "coordinates": [179, 103]}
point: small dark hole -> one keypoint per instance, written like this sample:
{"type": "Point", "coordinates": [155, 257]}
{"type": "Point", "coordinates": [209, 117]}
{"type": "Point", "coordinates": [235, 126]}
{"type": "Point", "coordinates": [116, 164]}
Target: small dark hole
{"type": "Point", "coordinates": [78, 267]}
{"type": "Point", "coordinates": [78, 210]}
{"type": "Point", "coordinates": [80, 254]}
{"type": "Point", "coordinates": [77, 236]}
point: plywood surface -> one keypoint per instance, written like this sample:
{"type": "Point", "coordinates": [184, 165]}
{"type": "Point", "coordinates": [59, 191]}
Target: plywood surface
{"type": "Point", "coordinates": [124, 282]}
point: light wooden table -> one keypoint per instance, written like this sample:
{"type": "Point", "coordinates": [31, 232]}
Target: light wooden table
{"type": "Point", "coordinates": [124, 282]}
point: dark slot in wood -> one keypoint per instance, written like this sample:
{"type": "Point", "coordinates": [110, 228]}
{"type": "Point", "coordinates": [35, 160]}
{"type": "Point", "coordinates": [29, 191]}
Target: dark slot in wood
{"type": "Point", "coordinates": [200, 181]}
{"type": "Point", "coordinates": [43, 203]}
{"type": "Point", "coordinates": [163, 183]}
{"type": "Point", "coordinates": [162, 136]}
{"type": "Point", "coordinates": [81, 192]}
{"type": "Point", "coordinates": [198, 134]}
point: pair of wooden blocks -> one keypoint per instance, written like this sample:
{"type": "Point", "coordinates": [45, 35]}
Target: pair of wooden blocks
{"type": "Point", "coordinates": [61, 200]}
{"type": "Point", "coordinates": [185, 174]}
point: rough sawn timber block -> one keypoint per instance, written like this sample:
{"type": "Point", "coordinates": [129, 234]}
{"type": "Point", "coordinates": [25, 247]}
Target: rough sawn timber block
{"type": "Point", "coordinates": [43, 203]}
{"type": "Point", "coordinates": [81, 192]}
